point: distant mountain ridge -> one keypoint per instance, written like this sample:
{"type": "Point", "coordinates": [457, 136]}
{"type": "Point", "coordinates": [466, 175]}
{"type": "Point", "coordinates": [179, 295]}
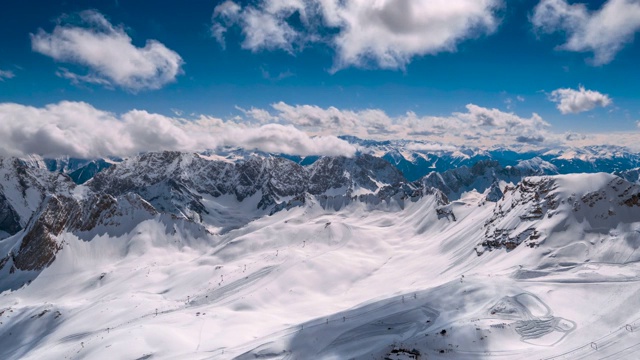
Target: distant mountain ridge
{"type": "Point", "coordinates": [414, 159]}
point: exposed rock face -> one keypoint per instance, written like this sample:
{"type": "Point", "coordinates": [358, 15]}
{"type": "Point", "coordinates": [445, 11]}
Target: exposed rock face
{"type": "Point", "coordinates": [41, 206]}
{"type": "Point", "coordinates": [103, 210]}
{"type": "Point", "coordinates": [537, 205]}
{"type": "Point", "coordinates": [277, 176]}
{"type": "Point", "coordinates": [166, 182]}
{"type": "Point", "coordinates": [530, 200]}
{"type": "Point", "coordinates": [175, 182]}
{"type": "Point", "coordinates": [58, 213]}
{"type": "Point", "coordinates": [170, 196]}
{"type": "Point", "coordinates": [481, 176]}
{"type": "Point", "coordinates": [23, 187]}
{"type": "Point", "coordinates": [9, 218]}
{"type": "Point", "coordinates": [91, 212]}
{"type": "Point", "coordinates": [364, 171]}
{"type": "Point", "coordinates": [38, 206]}
{"type": "Point", "coordinates": [495, 193]}
{"type": "Point", "coordinates": [39, 244]}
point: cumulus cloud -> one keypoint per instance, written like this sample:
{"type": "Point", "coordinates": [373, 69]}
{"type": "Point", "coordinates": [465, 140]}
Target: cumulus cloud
{"type": "Point", "coordinates": [265, 27]}
{"type": "Point", "coordinates": [477, 125]}
{"type": "Point", "coordinates": [474, 126]}
{"type": "Point", "coordinates": [285, 139]}
{"type": "Point", "coordinates": [391, 32]}
{"type": "Point", "coordinates": [603, 32]}
{"type": "Point", "coordinates": [6, 74]}
{"type": "Point", "coordinates": [385, 33]}
{"type": "Point", "coordinates": [572, 101]}
{"type": "Point", "coordinates": [224, 15]}
{"type": "Point", "coordinates": [261, 115]}
{"type": "Point", "coordinates": [331, 119]}
{"type": "Point", "coordinates": [500, 127]}
{"type": "Point", "coordinates": [108, 54]}
{"type": "Point", "coordinates": [78, 129]}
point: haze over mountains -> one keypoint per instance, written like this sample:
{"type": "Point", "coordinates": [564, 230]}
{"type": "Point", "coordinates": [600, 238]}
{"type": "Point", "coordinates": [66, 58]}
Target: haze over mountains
{"type": "Point", "coordinates": [236, 254]}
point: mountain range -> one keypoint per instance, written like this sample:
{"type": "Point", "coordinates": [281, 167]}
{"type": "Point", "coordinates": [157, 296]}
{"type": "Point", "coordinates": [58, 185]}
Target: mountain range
{"type": "Point", "coordinates": [401, 252]}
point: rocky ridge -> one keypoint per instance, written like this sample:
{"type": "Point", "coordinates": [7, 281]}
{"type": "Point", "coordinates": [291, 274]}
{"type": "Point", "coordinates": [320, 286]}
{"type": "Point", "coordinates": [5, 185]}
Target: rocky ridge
{"type": "Point", "coordinates": [538, 207]}
{"type": "Point", "coordinates": [38, 206]}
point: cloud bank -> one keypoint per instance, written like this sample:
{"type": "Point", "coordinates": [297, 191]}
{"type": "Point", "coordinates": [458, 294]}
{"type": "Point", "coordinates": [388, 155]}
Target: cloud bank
{"type": "Point", "coordinates": [78, 129]}
{"type": "Point", "coordinates": [572, 101]}
{"type": "Point", "coordinates": [603, 32]}
{"type": "Point", "coordinates": [364, 33]}
{"type": "Point", "coordinates": [109, 55]}
{"type": "Point", "coordinates": [476, 126]}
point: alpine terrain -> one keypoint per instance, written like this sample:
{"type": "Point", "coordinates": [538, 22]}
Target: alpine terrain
{"type": "Point", "coordinates": [174, 255]}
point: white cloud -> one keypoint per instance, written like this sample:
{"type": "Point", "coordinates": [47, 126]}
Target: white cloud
{"type": "Point", "coordinates": [603, 32]}
{"type": "Point", "coordinates": [224, 15]}
{"type": "Point", "coordinates": [286, 139]}
{"type": "Point", "coordinates": [6, 74]}
{"type": "Point", "coordinates": [264, 30]}
{"type": "Point", "coordinates": [109, 55]}
{"type": "Point", "coordinates": [493, 126]}
{"type": "Point", "coordinates": [477, 125]}
{"type": "Point", "coordinates": [261, 115]}
{"type": "Point", "coordinates": [315, 118]}
{"type": "Point", "coordinates": [383, 33]}
{"type": "Point", "coordinates": [390, 32]}
{"type": "Point", "coordinates": [572, 101]}
{"type": "Point", "coordinates": [78, 129]}
{"type": "Point", "coordinates": [264, 27]}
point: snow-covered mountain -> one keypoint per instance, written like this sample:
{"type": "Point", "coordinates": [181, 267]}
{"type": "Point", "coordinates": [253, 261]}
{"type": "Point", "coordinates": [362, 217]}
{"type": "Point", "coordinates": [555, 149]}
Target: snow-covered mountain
{"type": "Point", "coordinates": [23, 188]}
{"type": "Point", "coordinates": [79, 170]}
{"type": "Point", "coordinates": [416, 159]}
{"type": "Point", "coordinates": [217, 256]}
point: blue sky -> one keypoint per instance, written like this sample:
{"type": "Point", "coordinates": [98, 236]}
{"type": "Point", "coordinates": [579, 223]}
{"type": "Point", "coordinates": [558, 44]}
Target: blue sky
{"type": "Point", "coordinates": [504, 56]}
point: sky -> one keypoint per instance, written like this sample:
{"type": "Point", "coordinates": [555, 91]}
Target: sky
{"type": "Point", "coordinates": [96, 78]}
